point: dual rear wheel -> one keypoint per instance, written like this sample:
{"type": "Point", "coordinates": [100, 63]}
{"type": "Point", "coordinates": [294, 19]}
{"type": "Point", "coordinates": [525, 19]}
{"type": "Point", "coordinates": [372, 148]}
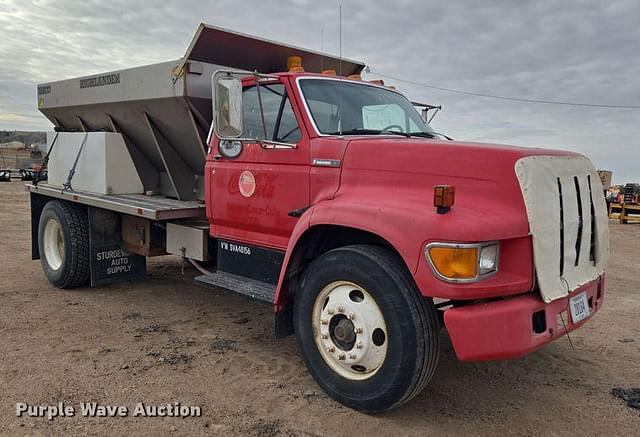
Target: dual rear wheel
{"type": "Point", "coordinates": [63, 242]}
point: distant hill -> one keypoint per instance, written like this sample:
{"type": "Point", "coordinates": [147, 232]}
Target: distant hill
{"type": "Point", "coordinates": [25, 137]}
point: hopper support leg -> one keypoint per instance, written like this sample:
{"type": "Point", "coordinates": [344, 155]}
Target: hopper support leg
{"type": "Point", "coordinates": [180, 174]}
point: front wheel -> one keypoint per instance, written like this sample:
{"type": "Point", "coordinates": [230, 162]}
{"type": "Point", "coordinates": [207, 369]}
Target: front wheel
{"type": "Point", "coordinates": [369, 338]}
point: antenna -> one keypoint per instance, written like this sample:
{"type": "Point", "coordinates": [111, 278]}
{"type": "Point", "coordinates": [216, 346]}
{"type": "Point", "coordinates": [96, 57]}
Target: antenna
{"type": "Point", "coordinates": [340, 68]}
{"type": "Point", "coordinates": [340, 41]}
{"type": "Point", "coordinates": [321, 49]}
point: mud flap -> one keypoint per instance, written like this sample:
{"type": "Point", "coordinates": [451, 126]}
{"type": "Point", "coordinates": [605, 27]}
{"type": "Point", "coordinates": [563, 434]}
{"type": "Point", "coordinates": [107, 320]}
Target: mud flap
{"type": "Point", "coordinates": [37, 204]}
{"type": "Point", "coordinates": [109, 262]}
{"type": "Point", "coordinates": [283, 322]}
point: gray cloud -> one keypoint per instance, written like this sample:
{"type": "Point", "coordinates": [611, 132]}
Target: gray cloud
{"type": "Point", "coordinates": [583, 51]}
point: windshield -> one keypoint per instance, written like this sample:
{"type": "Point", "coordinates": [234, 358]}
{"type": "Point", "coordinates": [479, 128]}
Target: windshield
{"type": "Point", "coordinates": [350, 108]}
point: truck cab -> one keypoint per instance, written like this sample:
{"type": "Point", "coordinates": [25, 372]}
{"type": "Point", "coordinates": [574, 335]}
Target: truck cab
{"type": "Point", "coordinates": [514, 257]}
{"type": "Point", "coordinates": [331, 199]}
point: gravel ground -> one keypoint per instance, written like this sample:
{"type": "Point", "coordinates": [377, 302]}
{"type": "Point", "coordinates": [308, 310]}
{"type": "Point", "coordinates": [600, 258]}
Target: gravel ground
{"type": "Point", "coordinates": [165, 339]}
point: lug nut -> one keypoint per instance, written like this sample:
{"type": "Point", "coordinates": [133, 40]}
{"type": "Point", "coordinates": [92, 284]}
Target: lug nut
{"type": "Point", "coordinates": [323, 322]}
{"type": "Point", "coordinates": [359, 345]}
{"type": "Point", "coordinates": [331, 349]}
{"type": "Point", "coordinates": [341, 357]}
{"type": "Point", "coordinates": [358, 330]}
{"type": "Point", "coordinates": [330, 311]}
{"type": "Point", "coordinates": [352, 316]}
{"type": "Point", "coordinates": [340, 309]}
{"type": "Point", "coordinates": [324, 336]}
{"type": "Point", "coordinates": [352, 356]}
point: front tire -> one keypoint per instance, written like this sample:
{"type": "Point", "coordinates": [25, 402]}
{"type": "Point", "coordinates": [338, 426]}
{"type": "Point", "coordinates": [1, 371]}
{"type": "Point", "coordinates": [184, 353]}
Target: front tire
{"type": "Point", "coordinates": [63, 242]}
{"type": "Point", "coordinates": [369, 339]}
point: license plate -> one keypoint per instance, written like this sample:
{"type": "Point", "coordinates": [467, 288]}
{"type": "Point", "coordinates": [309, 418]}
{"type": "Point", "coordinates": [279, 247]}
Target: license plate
{"type": "Point", "coordinates": [579, 305]}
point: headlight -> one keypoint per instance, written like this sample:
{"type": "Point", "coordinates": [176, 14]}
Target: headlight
{"type": "Point", "coordinates": [488, 259]}
{"type": "Point", "coordinates": [462, 262]}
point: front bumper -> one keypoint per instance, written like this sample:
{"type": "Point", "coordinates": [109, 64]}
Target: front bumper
{"type": "Point", "coordinates": [508, 328]}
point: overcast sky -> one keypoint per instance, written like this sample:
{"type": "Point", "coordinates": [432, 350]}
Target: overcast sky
{"type": "Point", "coordinates": [577, 51]}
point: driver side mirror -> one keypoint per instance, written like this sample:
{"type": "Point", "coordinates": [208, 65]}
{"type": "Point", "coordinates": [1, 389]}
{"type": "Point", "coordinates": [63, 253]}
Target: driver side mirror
{"type": "Point", "coordinates": [227, 105]}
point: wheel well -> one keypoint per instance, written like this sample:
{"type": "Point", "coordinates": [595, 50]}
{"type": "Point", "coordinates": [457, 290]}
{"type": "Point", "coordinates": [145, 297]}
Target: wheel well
{"type": "Point", "coordinates": [313, 243]}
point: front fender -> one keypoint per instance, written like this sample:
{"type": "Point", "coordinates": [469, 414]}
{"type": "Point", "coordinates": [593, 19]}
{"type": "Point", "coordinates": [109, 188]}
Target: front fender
{"type": "Point", "coordinates": [279, 300]}
{"type": "Point", "coordinates": [343, 212]}
{"type": "Point", "coordinates": [408, 224]}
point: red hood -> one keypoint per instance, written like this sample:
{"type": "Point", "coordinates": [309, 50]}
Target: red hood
{"type": "Point", "coordinates": [403, 171]}
{"type": "Point", "coordinates": [438, 157]}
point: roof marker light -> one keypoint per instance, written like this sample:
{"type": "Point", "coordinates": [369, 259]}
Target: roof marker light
{"type": "Point", "coordinates": [294, 64]}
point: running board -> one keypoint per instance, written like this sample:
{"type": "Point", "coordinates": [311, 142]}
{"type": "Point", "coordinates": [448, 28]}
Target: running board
{"type": "Point", "coordinates": [251, 288]}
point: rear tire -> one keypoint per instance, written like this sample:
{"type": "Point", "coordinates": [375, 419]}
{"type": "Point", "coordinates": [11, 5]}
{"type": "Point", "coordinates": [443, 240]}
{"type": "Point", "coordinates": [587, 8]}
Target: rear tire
{"type": "Point", "coordinates": [63, 242]}
{"type": "Point", "coordinates": [369, 338]}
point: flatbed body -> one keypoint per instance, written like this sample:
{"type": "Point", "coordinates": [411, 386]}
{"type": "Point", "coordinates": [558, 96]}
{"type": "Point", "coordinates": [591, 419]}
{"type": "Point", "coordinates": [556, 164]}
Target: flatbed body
{"type": "Point", "coordinates": [156, 207]}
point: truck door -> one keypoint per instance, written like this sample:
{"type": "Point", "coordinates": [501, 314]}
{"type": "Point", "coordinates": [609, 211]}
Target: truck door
{"type": "Point", "coordinates": [250, 196]}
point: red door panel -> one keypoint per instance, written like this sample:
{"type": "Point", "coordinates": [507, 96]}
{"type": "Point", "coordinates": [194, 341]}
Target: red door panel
{"type": "Point", "coordinates": [249, 197]}
{"type": "Point", "coordinates": [259, 215]}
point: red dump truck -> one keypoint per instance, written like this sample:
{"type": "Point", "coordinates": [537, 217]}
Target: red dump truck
{"type": "Point", "coordinates": [281, 175]}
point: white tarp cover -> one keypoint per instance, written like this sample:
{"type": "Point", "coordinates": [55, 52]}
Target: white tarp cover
{"type": "Point", "coordinates": [542, 178]}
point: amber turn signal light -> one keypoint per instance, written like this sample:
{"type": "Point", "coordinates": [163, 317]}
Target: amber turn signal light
{"type": "Point", "coordinates": [455, 263]}
{"type": "Point", "coordinates": [444, 196]}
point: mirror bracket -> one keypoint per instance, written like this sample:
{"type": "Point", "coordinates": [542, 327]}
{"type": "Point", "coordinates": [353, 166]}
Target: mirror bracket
{"type": "Point", "coordinates": [270, 145]}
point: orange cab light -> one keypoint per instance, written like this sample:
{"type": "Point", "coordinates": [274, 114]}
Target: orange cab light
{"type": "Point", "coordinates": [377, 82]}
{"type": "Point", "coordinates": [294, 64]}
{"type": "Point", "coordinates": [355, 77]}
{"type": "Point", "coordinates": [455, 262]}
{"type": "Point", "coordinates": [329, 72]}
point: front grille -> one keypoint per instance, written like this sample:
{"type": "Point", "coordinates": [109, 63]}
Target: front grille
{"type": "Point", "coordinates": [567, 220]}
{"type": "Point", "coordinates": [585, 215]}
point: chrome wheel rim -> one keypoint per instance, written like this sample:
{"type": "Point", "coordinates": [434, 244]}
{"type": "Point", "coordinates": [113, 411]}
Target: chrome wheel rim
{"type": "Point", "coordinates": [349, 330]}
{"type": "Point", "coordinates": [53, 244]}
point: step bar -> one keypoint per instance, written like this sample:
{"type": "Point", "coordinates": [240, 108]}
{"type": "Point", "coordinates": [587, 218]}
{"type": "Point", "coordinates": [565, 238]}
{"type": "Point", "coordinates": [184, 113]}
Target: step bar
{"type": "Point", "coordinates": [250, 288]}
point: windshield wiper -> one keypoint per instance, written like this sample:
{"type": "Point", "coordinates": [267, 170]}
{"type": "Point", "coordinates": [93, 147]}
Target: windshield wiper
{"type": "Point", "coordinates": [363, 131]}
{"type": "Point", "coordinates": [430, 135]}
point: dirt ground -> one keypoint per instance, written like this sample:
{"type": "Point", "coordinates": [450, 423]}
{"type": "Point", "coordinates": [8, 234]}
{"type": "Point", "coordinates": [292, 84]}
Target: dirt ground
{"type": "Point", "coordinates": [165, 339]}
